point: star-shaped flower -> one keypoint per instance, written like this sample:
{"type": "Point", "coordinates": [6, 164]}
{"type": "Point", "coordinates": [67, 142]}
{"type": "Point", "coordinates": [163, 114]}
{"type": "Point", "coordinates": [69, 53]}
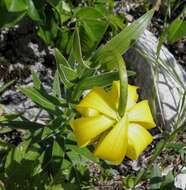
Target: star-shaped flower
{"type": "Point", "coordinates": [115, 136]}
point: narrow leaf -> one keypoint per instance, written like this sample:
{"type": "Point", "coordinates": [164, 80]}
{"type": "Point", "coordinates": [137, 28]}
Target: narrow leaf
{"type": "Point", "coordinates": [176, 31]}
{"type": "Point", "coordinates": [123, 41]}
{"type": "Point", "coordinates": [104, 79]}
{"type": "Point", "coordinates": [41, 100]}
{"type": "Point", "coordinates": [77, 49]}
{"type": "Point", "coordinates": [66, 73]}
{"type": "Point", "coordinates": [5, 86]}
{"type": "Point", "coordinates": [56, 85]}
{"type": "Point", "coordinates": [32, 11]}
{"type": "Point", "coordinates": [37, 82]}
{"type": "Point", "coordinates": [15, 5]}
{"type": "Point", "coordinates": [60, 59]}
{"type": "Point", "coordinates": [24, 124]}
{"type": "Point", "coordinates": [8, 117]}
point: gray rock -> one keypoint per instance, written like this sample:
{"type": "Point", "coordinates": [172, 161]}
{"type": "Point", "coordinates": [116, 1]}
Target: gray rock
{"type": "Point", "coordinates": [180, 181]}
{"type": "Point", "coordinates": [170, 78]}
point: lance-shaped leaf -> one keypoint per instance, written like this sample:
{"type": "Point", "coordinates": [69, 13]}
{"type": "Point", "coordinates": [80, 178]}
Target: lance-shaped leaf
{"type": "Point", "coordinates": [44, 100]}
{"type": "Point", "coordinates": [66, 73]}
{"type": "Point", "coordinates": [32, 11]}
{"type": "Point", "coordinates": [8, 117]}
{"type": "Point", "coordinates": [36, 80]}
{"type": "Point", "coordinates": [103, 79]}
{"type": "Point", "coordinates": [15, 5]}
{"type": "Point", "coordinates": [56, 88]}
{"type": "Point", "coordinates": [77, 51]}
{"type": "Point", "coordinates": [5, 86]}
{"type": "Point", "coordinates": [176, 31]}
{"type": "Point", "coordinates": [122, 41]}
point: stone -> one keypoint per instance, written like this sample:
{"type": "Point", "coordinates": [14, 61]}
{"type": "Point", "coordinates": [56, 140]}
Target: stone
{"type": "Point", "coordinates": [142, 59]}
{"type": "Point", "coordinates": [180, 181]}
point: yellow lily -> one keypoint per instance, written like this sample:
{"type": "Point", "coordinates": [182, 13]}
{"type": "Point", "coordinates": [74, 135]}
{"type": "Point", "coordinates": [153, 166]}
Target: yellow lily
{"type": "Point", "coordinates": [115, 137]}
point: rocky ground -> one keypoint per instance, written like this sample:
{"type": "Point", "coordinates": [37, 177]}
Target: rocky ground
{"type": "Point", "coordinates": [21, 52]}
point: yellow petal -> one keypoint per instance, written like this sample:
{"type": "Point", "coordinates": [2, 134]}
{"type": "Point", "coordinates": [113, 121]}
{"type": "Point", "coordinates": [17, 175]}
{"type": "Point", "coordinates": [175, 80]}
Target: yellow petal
{"type": "Point", "coordinates": [141, 114]}
{"type": "Point", "coordinates": [132, 94]}
{"type": "Point", "coordinates": [87, 112]}
{"type": "Point", "coordinates": [138, 139]}
{"type": "Point", "coordinates": [87, 128]}
{"type": "Point", "coordinates": [98, 99]}
{"type": "Point", "coordinates": [113, 145]}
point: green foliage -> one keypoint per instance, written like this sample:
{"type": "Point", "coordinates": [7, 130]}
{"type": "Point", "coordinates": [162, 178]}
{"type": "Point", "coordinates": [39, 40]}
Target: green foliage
{"type": "Point", "coordinates": [5, 86]}
{"type": "Point", "coordinates": [176, 30]}
{"type": "Point", "coordinates": [48, 157]}
{"type": "Point", "coordinates": [122, 41]}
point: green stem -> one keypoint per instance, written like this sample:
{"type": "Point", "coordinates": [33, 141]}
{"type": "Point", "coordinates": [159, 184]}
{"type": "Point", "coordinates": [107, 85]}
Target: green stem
{"type": "Point", "coordinates": [123, 85]}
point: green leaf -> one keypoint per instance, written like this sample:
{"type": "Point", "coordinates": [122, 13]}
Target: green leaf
{"type": "Point", "coordinates": [104, 79]}
{"type": "Point", "coordinates": [15, 5]}
{"type": "Point", "coordinates": [5, 129]}
{"type": "Point", "coordinates": [77, 50]}
{"type": "Point", "coordinates": [37, 82]}
{"type": "Point", "coordinates": [5, 86]}
{"type": "Point", "coordinates": [22, 162]}
{"type": "Point", "coordinates": [54, 2]}
{"type": "Point", "coordinates": [156, 178]}
{"type": "Point", "coordinates": [66, 73]}
{"type": "Point", "coordinates": [56, 123]}
{"type": "Point", "coordinates": [77, 47]}
{"type": "Point", "coordinates": [42, 99]}
{"type": "Point", "coordinates": [32, 11]}
{"type": "Point", "coordinates": [22, 151]}
{"type": "Point", "coordinates": [56, 89]}
{"type": "Point", "coordinates": [10, 19]}
{"type": "Point", "coordinates": [57, 155]}
{"type": "Point", "coordinates": [115, 22]}
{"type": "Point", "coordinates": [93, 25]}
{"type": "Point", "coordinates": [82, 152]}
{"type": "Point", "coordinates": [60, 59]}
{"type": "Point", "coordinates": [49, 28]}
{"type": "Point", "coordinates": [23, 124]}
{"type": "Point", "coordinates": [8, 117]}
{"type": "Point", "coordinates": [57, 150]}
{"type": "Point", "coordinates": [122, 41]}
{"type": "Point", "coordinates": [175, 146]}
{"type": "Point", "coordinates": [176, 31]}
{"type": "Point", "coordinates": [168, 182]}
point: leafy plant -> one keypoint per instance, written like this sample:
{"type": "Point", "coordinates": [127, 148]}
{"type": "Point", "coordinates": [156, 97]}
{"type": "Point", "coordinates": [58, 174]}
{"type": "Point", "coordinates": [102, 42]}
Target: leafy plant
{"type": "Point", "coordinates": [48, 158]}
{"type": "Point", "coordinates": [49, 153]}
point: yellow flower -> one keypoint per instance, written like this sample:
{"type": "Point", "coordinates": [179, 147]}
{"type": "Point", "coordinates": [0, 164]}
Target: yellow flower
{"type": "Point", "coordinates": [115, 136]}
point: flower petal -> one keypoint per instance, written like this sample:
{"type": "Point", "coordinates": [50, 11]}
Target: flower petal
{"type": "Point", "coordinates": [113, 145]}
{"type": "Point", "coordinates": [132, 94]}
{"type": "Point", "coordinates": [138, 139]}
{"type": "Point", "coordinates": [87, 112]}
{"type": "Point", "coordinates": [141, 114]}
{"type": "Point", "coordinates": [87, 128]}
{"type": "Point", "coordinates": [99, 100]}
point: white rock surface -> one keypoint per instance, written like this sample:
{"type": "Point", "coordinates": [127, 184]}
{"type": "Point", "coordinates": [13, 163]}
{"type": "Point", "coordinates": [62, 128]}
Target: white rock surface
{"type": "Point", "coordinates": [180, 181]}
{"type": "Point", "coordinates": [170, 89]}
